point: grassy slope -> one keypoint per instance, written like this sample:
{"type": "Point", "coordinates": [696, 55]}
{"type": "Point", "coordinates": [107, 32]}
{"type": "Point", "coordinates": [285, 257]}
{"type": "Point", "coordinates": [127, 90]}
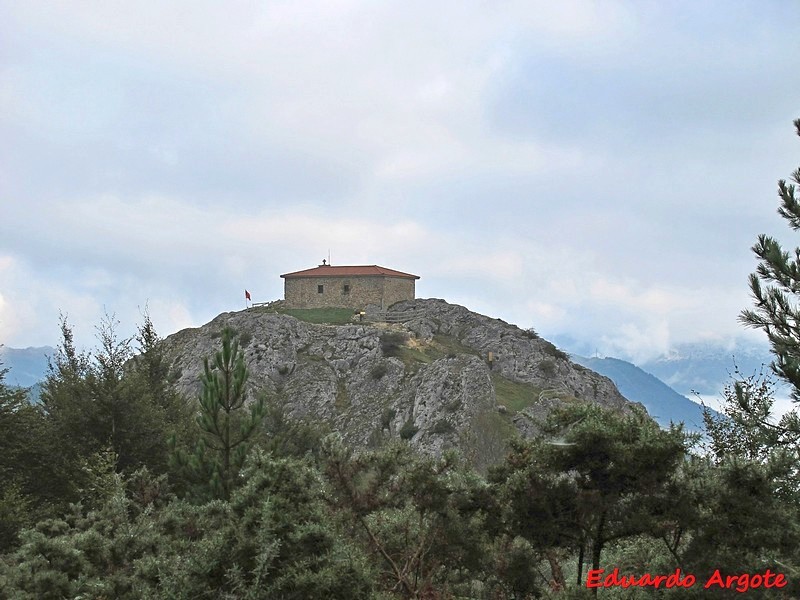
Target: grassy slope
{"type": "Point", "coordinates": [327, 316]}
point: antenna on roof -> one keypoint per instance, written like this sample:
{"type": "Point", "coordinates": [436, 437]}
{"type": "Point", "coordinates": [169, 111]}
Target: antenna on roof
{"type": "Point", "coordinates": [329, 256]}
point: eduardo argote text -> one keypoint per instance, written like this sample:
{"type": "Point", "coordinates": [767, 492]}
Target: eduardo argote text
{"type": "Point", "coordinates": [598, 578]}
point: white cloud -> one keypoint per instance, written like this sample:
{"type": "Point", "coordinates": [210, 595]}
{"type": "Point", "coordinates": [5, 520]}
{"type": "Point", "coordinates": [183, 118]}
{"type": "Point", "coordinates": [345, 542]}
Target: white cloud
{"type": "Point", "coordinates": [30, 306]}
{"type": "Point", "coordinates": [780, 407]}
{"type": "Point", "coordinates": [563, 165]}
{"type": "Point", "coordinates": [630, 294]}
{"type": "Point", "coordinates": [640, 342]}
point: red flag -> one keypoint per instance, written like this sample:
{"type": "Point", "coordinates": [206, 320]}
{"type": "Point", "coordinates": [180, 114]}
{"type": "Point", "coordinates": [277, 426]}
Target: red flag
{"type": "Point", "coordinates": [247, 295]}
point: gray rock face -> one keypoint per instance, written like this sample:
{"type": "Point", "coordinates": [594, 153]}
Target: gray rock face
{"type": "Point", "coordinates": [427, 378]}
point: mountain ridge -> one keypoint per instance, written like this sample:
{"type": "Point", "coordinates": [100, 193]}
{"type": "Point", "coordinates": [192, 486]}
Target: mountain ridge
{"type": "Point", "coordinates": [429, 378]}
{"type": "Point", "coordinates": [26, 366]}
{"type": "Point", "coordinates": [663, 403]}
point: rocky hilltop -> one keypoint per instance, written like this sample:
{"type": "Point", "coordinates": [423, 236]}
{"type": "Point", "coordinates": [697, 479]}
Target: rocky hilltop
{"type": "Point", "coordinates": [427, 377]}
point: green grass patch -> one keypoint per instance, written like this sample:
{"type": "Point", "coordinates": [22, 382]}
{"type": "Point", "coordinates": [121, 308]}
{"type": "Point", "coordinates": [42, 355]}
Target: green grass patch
{"type": "Point", "coordinates": [445, 345]}
{"type": "Point", "coordinates": [413, 356]}
{"type": "Point", "coordinates": [486, 442]}
{"type": "Point", "coordinates": [514, 395]}
{"type": "Point", "coordinates": [442, 346]}
{"type": "Point", "coordinates": [342, 401]}
{"type": "Point", "coordinates": [324, 316]}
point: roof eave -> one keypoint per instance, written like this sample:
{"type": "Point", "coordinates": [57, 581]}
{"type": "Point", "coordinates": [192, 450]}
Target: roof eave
{"type": "Point", "coordinates": [318, 275]}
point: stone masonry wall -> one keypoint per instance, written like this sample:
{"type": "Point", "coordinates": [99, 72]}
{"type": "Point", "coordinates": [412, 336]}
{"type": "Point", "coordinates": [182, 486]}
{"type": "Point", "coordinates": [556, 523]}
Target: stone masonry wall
{"type": "Point", "coordinates": [303, 292]}
{"type": "Point", "coordinates": [397, 289]}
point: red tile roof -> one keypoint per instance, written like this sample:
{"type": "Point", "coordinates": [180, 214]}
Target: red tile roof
{"type": "Point", "coordinates": [349, 271]}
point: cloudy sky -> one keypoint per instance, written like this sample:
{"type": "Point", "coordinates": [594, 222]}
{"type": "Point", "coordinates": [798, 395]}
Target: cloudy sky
{"type": "Point", "coordinates": [590, 169]}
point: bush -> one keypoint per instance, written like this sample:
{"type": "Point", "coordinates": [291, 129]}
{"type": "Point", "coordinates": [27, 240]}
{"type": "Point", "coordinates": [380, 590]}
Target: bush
{"type": "Point", "coordinates": [453, 405]}
{"type": "Point", "coordinates": [442, 426]}
{"type": "Point", "coordinates": [386, 418]}
{"type": "Point", "coordinates": [378, 371]}
{"type": "Point", "coordinates": [548, 367]}
{"type": "Point", "coordinates": [551, 350]}
{"type": "Point", "coordinates": [248, 547]}
{"type": "Point", "coordinates": [408, 430]}
{"type": "Point", "coordinates": [245, 339]}
{"type": "Point", "coordinates": [392, 341]}
{"type": "Point", "coordinates": [175, 375]}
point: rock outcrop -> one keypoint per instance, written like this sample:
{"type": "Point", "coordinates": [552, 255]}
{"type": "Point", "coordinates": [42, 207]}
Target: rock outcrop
{"type": "Point", "coordinates": [440, 376]}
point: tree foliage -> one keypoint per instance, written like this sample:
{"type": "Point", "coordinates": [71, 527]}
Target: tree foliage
{"type": "Point", "coordinates": [775, 287]}
{"type": "Point", "coordinates": [421, 518]}
{"type": "Point", "coordinates": [273, 539]}
{"type": "Point", "coordinates": [227, 426]}
{"type": "Point", "coordinates": [25, 469]}
{"type": "Point", "coordinates": [600, 477]}
{"type": "Point", "coordinates": [106, 399]}
{"type": "Point", "coordinates": [751, 513]}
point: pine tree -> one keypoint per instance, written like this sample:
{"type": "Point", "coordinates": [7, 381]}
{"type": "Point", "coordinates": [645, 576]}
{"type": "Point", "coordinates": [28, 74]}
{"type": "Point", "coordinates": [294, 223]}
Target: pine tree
{"type": "Point", "coordinates": [151, 364]}
{"type": "Point", "coordinates": [604, 478]}
{"type": "Point", "coordinates": [227, 428]}
{"type": "Point", "coordinates": [775, 287]}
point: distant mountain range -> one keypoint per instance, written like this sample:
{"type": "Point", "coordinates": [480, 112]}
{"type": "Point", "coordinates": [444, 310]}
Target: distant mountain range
{"type": "Point", "coordinates": [702, 368]}
{"type": "Point", "coordinates": [706, 368]}
{"type": "Point", "coordinates": [663, 403]}
{"type": "Point", "coordinates": [27, 366]}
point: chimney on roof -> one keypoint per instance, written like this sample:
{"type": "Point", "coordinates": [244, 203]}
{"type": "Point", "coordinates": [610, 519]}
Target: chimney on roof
{"type": "Point", "coordinates": [323, 263]}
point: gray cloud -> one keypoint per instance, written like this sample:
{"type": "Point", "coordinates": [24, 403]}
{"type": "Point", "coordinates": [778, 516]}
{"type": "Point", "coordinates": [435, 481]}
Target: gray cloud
{"type": "Point", "coordinates": [591, 169]}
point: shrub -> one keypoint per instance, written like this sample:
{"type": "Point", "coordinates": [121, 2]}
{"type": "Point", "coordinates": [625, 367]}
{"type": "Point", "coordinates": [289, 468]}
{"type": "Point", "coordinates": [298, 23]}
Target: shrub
{"type": "Point", "coordinates": [442, 426]}
{"type": "Point", "coordinates": [551, 350]}
{"type": "Point", "coordinates": [548, 367]}
{"type": "Point", "coordinates": [408, 430]}
{"type": "Point", "coordinates": [378, 371]}
{"type": "Point", "coordinates": [392, 341]}
{"type": "Point", "coordinates": [386, 418]}
{"type": "Point", "coordinates": [453, 405]}
{"type": "Point", "coordinates": [245, 339]}
{"type": "Point", "coordinates": [175, 375]}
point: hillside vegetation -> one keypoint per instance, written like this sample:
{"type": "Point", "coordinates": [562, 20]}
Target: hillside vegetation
{"type": "Point", "coordinates": [261, 456]}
